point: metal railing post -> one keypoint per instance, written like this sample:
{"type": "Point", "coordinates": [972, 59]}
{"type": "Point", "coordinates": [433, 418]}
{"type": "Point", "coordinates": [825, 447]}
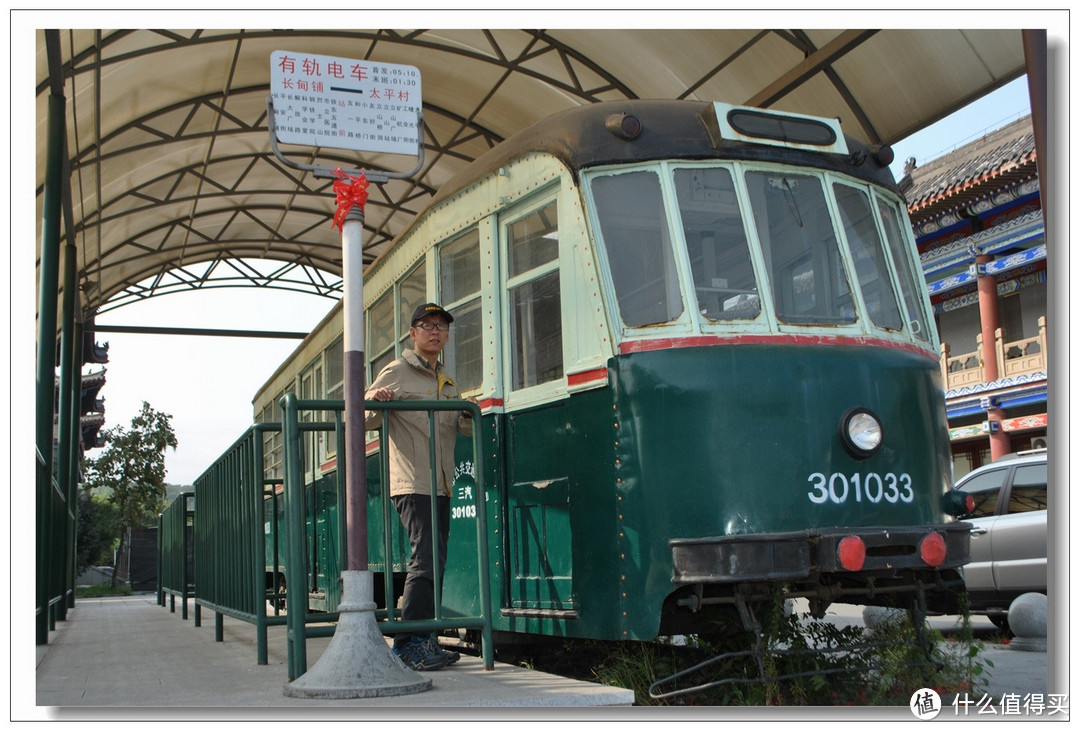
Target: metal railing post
{"type": "Point", "coordinates": [258, 544]}
{"type": "Point", "coordinates": [295, 571]}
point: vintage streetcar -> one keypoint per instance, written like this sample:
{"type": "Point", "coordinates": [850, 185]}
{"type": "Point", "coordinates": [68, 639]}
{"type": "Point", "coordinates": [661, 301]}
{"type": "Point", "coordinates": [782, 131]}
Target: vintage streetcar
{"type": "Point", "coordinates": [707, 367]}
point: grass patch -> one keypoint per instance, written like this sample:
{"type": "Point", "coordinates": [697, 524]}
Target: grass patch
{"type": "Point", "coordinates": [102, 590]}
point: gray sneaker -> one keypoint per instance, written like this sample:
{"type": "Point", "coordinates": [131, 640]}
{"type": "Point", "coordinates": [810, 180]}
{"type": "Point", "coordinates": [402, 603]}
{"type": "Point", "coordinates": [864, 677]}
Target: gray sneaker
{"type": "Point", "coordinates": [418, 655]}
{"type": "Point", "coordinates": [433, 647]}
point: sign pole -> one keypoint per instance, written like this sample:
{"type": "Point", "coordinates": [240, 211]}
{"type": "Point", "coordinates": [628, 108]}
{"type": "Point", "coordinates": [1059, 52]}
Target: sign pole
{"type": "Point", "coordinates": [353, 343]}
{"type": "Point", "coordinates": [358, 662]}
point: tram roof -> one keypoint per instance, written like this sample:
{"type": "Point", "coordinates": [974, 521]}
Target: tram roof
{"type": "Point", "coordinates": [172, 180]}
{"type": "Point", "coordinates": [579, 137]}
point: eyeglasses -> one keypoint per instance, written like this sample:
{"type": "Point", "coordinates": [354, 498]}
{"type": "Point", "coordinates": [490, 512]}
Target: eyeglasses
{"type": "Point", "coordinates": [429, 326]}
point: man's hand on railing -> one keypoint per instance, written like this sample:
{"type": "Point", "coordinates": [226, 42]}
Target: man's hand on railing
{"type": "Point", "coordinates": [381, 394]}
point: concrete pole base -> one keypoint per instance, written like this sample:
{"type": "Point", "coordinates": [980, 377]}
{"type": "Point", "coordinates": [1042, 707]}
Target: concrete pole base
{"type": "Point", "coordinates": [357, 663]}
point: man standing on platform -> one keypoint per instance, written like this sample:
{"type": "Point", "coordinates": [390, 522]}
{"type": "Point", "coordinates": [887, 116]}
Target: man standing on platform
{"type": "Point", "coordinates": [419, 375]}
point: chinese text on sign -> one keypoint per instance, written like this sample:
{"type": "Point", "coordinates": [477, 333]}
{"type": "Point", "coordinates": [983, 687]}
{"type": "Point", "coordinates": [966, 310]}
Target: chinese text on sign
{"type": "Point", "coordinates": [351, 104]}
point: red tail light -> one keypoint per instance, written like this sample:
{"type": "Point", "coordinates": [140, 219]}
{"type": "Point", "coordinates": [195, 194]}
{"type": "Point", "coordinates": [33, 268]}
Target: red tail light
{"type": "Point", "coordinates": [932, 549]}
{"type": "Point", "coordinates": [852, 553]}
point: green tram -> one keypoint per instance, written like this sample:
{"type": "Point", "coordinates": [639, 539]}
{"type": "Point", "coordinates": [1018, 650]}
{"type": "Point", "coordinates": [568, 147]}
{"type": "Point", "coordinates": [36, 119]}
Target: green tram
{"type": "Point", "coordinates": [707, 368]}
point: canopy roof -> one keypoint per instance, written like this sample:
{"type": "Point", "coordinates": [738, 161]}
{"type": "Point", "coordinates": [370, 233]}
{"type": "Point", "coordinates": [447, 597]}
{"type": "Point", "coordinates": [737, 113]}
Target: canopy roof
{"type": "Point", "coordinates": [173, 183]}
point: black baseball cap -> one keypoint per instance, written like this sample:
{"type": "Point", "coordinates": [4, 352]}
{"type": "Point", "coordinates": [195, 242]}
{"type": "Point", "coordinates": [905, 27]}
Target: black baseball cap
{"type": "Point", "coordinates": [429, 309]}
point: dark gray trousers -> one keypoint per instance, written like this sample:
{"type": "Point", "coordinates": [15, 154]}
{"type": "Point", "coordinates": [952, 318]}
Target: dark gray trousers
{"type": "Point", "coordinates": [418, 599]}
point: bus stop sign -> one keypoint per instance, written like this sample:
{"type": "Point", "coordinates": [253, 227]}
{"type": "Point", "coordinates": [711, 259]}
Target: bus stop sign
{"type": "Point", "coordinates": [326, 101]}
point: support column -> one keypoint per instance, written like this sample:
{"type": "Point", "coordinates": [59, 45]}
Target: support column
{"type": "Point", "coordinates": [48, 285]}
{"type": "Point", "coordinates": [75, 457]}
{"type": "Point", "coordinates": [70, 389]}
{"type": "Point", "coordinates": [990, 322]}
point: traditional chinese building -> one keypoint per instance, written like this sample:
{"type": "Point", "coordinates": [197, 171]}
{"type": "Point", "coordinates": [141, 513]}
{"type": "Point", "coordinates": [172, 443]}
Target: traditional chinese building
{"type": "Point", "coordinates": [978, 222]}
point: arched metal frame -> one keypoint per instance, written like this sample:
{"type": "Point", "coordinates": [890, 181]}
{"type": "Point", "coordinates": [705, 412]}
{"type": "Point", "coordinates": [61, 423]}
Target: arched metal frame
{"type": "Point", "coordinates": [166, 173]}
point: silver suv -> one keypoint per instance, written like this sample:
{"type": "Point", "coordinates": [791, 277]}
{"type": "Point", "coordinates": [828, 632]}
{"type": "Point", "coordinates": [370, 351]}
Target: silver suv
{"type": "Point", "coordinates": [1008, 537]}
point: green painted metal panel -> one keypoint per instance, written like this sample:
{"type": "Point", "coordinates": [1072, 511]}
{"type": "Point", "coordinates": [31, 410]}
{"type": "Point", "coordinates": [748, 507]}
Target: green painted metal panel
{"type": "Point", "coordinates": [592, 488]}
{"type": "Point", "coordinates": [460, 597]}
{"type": "Point", "coordinates": [542, 569]}
{"type": "Point", "coordinates": [737, 439]}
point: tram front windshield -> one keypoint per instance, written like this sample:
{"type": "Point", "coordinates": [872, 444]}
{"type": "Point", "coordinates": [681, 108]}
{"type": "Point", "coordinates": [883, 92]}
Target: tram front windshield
{"type": "Point", "coordinates": [825, 250]}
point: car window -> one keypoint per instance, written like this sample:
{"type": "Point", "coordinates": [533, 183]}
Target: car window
{"type": "Point", "coordinates": [1028, 489]}
{"type": "Point", "coordinates": [984, 487]}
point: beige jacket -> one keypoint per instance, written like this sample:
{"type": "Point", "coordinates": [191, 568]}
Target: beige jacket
{"type": "Point", "coordinates": [410, 378]}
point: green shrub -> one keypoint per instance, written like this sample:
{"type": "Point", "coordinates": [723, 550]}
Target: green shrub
{"type": "Point", "coordinates": [881, 665]}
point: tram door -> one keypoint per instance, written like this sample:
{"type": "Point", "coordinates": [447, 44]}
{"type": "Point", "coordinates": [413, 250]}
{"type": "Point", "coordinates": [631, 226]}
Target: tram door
{"type": "Point", "coordinates": [538, 489]}
{"type": "Point", "coordinates": [538, 498]}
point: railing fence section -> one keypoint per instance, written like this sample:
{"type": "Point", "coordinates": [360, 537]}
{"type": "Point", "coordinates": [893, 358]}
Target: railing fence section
{"type": "Point", "coordinates": [296, 470]}
{"type": "Point", "coordinates": [176, 572]}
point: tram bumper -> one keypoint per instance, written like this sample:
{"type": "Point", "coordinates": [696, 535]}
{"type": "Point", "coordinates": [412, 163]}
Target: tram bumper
{"type": "Point", "coordinates": [795, 555]}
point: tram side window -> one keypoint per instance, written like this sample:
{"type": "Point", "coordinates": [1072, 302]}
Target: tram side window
{"type": "Point", "coordinates": [903, 263]}
{"type": "Point", "coordinates": [311, 387]}
{"type": "Point", "coordinates": [534, 300]}
{"type": "Point", "coordinates": [335, 370]}
{"type": "Point", "coordinates": [867, 251]}
{"type": "Point", "coordinates": [716, 244]}
{"type": "Point", "coordinates": [459, 291]}
{"type": "Point", "coordinates": [380, 334]}
{"type": "Point", "coordinates": [411, 293]}
{"type": "Point", "coordinates": [634, 227]}
{"type": "Point", "coordinates": [800, 249]}
{"type": "Point", "coordinates": [335, 379]}
{"type": "Point", "coordinates": [273, 443]}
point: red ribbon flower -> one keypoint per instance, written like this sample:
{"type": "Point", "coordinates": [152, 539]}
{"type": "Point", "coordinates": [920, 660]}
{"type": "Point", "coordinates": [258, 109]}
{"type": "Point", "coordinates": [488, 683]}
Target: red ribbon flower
{"type": "Point", "coordinates": [350, 192]}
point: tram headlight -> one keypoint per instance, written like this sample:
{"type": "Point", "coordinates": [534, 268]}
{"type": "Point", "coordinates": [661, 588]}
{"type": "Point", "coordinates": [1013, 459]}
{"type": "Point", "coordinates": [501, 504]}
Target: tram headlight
{"type": "Point", "coordinates": [860, 432]}
{"type": "Point", "coordinates": [624, 126]}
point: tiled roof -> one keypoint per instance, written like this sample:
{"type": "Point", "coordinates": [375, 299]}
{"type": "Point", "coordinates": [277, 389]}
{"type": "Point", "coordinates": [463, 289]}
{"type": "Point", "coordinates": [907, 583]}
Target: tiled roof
{"type": "Point", "coordinates": [999, 158]}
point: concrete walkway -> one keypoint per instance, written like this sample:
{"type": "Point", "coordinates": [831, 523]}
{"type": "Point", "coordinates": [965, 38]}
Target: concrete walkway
{"type": "Point", "coordinates": [128, 658]}
{"type": "Point", "coordinates": [130, 653]}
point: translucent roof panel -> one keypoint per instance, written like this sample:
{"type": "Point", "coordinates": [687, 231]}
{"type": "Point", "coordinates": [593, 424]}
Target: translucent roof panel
{"type": "Point", "coordinates": [169, 152]}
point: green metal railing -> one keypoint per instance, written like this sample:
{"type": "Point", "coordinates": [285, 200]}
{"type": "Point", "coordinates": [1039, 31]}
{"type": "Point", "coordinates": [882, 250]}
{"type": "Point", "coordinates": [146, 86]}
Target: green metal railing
{"type": "Point", "coordinates": [233, 533]}
{"type": "Point", "coordinates": [56, 519]}
{"type": "Point", "coordinates": [296, 562]}
{"type": "Point", "coordinates": [175, 571]}
{"type": "Point", "coordinates": [230, 540]}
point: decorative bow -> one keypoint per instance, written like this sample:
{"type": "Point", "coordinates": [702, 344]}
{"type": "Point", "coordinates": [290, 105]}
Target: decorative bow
{"type": "Point", "coordinates": [350, 192]}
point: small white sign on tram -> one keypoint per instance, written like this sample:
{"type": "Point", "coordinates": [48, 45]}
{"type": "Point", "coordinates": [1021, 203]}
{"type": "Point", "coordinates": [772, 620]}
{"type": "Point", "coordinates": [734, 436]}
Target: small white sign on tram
{"type": "Point", "coordinates": [326, 101]}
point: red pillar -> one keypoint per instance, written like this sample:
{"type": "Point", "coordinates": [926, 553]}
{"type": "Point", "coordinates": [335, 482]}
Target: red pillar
{"type": "Point", "coordinates": [988, 317]}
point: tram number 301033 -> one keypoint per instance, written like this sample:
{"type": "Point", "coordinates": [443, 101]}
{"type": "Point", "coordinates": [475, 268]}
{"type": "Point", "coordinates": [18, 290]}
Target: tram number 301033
{"type": "Point", "coordinates": [872, 487]}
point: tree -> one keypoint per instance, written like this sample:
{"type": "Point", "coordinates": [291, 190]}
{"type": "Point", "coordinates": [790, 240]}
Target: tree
{"type": "Point", "coordinates": [97, 531]}
{"type": "Point", "coordinates": [130, 471]}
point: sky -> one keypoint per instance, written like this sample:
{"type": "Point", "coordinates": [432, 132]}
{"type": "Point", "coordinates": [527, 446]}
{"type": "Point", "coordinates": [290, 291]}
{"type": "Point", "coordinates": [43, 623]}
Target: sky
{"type": "Point", "coordinates": [993, 111]}
{"type": "Point", "coordinates": [207, 383]}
